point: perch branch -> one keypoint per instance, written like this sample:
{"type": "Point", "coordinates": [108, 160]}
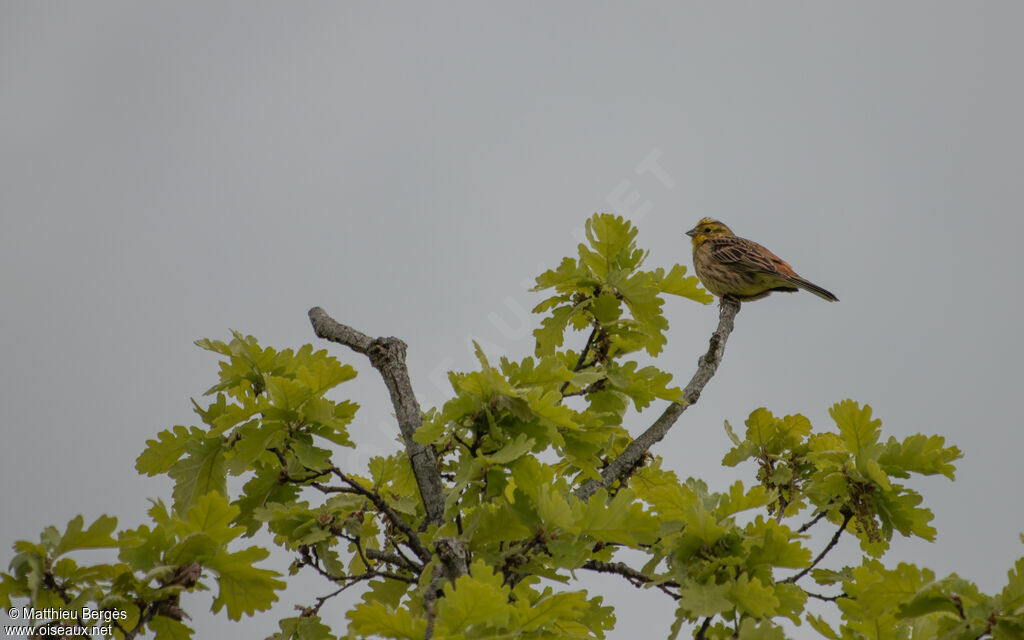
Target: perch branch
{"type": "Point", "coordinates": [628, 460]}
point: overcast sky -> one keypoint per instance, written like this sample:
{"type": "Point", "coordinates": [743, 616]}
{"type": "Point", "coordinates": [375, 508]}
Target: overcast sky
{"type": "Point", "coordinates": [170, 171]}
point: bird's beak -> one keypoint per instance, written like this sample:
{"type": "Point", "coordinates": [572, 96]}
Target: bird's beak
{"type": "Point", "coordinates": [692, 232]}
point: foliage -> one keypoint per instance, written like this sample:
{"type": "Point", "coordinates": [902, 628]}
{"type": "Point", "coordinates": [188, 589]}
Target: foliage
{"type": "Point", "coordinates": [512, 451]}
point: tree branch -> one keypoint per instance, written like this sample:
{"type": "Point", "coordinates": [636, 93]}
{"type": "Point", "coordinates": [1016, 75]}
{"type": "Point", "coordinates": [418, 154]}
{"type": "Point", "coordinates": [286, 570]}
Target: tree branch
{"type": "Point", "coordinates": [387, 355]}
{"type": "Point", "coordinates": [627, 461]}
{"type": "Point", "coordinates": [394, 559]}
{"type": "Point", "coordinates": [825, 598]}
{"type": "Point", "coordinates": [414, 540]}
{"type": "Point", "coordinates": [635, 578]}
{"type": "Point", "coordinates": [581, 359]}
{"type": "Point", "coordinates": [453, 556]}
{"type": "Point", "coordinates": [813, 521]}
{"type": "Point", "coordinates": [429, 602]}
{"type": "Point", "coordinates": [703, 629]}
{"type": "Point", "coordinates": [832, 543]}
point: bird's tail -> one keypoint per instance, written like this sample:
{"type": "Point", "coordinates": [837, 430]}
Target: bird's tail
{"type": "Point", "coordinates": [807, 285]}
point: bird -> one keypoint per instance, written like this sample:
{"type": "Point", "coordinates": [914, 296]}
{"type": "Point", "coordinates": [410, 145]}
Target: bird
{"type": "Point", "coordinates": [733, 267]}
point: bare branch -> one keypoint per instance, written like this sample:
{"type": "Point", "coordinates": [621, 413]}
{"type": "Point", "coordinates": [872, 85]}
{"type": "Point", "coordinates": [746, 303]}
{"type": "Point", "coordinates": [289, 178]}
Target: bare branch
{"type": "Point", "coordinates": [832, 543]}
{"type": "Point", "coordinates": [387, 355]}
{"type": "Point", "coordinates": [627, 461]}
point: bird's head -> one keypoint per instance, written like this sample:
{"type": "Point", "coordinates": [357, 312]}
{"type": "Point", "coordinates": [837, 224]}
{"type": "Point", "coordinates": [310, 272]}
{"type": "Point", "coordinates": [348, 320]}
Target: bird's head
{"type": "Point", "coordinates": [707, 228]}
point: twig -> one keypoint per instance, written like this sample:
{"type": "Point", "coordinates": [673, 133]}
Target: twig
{"type": "Point", "coordinates": [596, 386]}
{"type": "Point", "coordinates": [387, 355]}
{"type": "Point", "coordinates": [819, 596]}
{"type": "Point", "coordinates": [414, 540]}
{"type": "Point", "coordinates": [813, 521]}
{"type": "Point", "coordinates": [832, 543]}
{"type": "Point", "coordinates": [703, 629]}
{"type": "Point", "coordinates": [393, 558]}
{"type": "Point", "coordinates": [311, 558]}
{"type": "Point", "coordinates": [623, 465]}
{"type": "Point", "coordinates": [634, 577]}
{"type": "Point", "coordinates": [581, 359]}
{"type": "Point", "coordinates": [321, 600]}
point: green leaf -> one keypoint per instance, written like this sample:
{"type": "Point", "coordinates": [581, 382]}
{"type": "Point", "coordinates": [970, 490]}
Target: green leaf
{"type": "Point", "coordinates": [613, 241]}
{"type": "Point", "coordinates": [760, 630]}
{"type": "Point", "coordinates": [550, 611]}
{"type": "Point", "coordinates": [551, 332]}
{"type": "Point", "coordinates": [264, 488]}
{"type": "Point", "coordinates": [170, 629]}
{"type": "Point", "coordinates": [252, 440]}
{"type": "Point", "coordinates": [473, 599]}
{"type": "Point", "coordinates": [97, 536]}
{"type": "Point", "coordinates": [432, 429]}
{"type": "Point", "coordinates": [328, 419]}
{"type": "Point", "coordinates": [700, 600]}
{"type": "Point", "coordinates": [244, 588]}
{"type": "Point", "coordinates": [919, 454]}
{"type": "Point", "coordinates": [677, 283]}
{"type": "Point", "coordinates": [553, 509]}
{"type": "Point", "coordinates": [859, 432]}
{"type": "Point", "coordinates": [877, 590]}
{"type": "Point", "coordinates": [570, 275]}
{"type": "Point", "coordinates": [1012, 595]}
{"type": "Point", "coordinates": [738, 499]}
{"type": "Point", "coordinates": [775, 545]}
{"type": "Point", "coordinates": [143, 548]}
{"type": "Point", "coordinates": [606, 308]}
{"type": "Point", "coordinates": [287, 394]}
{"type": "Point", "coordinates": [324, 373]}
{"type": "Point", "coordinates": [644, 385]}
{"type": "Point", "coordinates": [310, 457]}
{"type": "Point", "coordinates": [518, 447]}
{"type": "Point", "coordinates": [202, 470]}
{"type": "Point", "coordinates": [389, 592]}
{"type": "Point", "coordinates": [732, 434]}
{"type": "Point", "coordinates": [494, 522]}
{"type": "Point", "coordinates": [622, 519]}
{"type": "Point", "coordinates": [753, 597]}
{"type": "Point", "coordinates": [822, 627]}
{"type": "Point", "coordinates": [378, 619]}
{"type": "Point", "coordinates": [671, 500]}
{"type": "Point", "coordinates": [212, 515]}
{"type": "Point", "coordinates": [161, 454]}
{"type": "Point", "coordinates": [302, 628]}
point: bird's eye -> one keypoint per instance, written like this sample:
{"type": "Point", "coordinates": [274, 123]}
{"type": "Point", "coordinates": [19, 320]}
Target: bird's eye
{"type": "Point", "coordinates": [707, 229]}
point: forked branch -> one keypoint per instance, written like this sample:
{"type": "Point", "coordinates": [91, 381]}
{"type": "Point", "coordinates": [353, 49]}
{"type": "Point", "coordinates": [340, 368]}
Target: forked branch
{"type": "Point", "coordinates": [387, 355]}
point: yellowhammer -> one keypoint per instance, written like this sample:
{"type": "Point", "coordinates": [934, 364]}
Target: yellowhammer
{"type": "Point", "coordinates": [729, 265]}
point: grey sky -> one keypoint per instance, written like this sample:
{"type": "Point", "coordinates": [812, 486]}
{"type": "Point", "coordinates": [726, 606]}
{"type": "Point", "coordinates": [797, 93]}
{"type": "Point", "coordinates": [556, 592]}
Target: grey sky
{"type": "Point", "coordinates": [170, 171]}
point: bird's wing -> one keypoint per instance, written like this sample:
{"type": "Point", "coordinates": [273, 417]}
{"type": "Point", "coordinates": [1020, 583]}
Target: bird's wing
{"type": "Point", "coordinates": [748, 255]}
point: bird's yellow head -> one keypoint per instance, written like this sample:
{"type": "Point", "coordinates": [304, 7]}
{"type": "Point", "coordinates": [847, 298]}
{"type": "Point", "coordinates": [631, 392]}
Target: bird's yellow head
{"type": "Point", "coordinates": [706, 228]}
